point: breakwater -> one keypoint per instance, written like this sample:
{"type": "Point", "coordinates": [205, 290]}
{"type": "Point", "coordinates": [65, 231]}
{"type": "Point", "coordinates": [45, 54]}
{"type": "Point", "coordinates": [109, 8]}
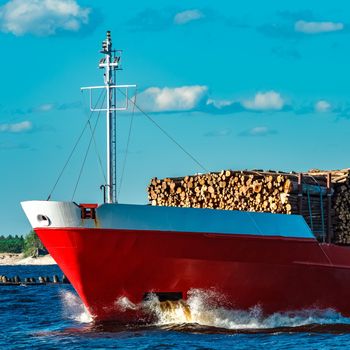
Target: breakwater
{"type": "Point", "coordinates": [41, 280]}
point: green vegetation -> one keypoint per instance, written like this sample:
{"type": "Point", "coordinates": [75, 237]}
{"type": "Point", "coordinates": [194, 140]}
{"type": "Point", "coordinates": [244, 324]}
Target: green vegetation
{"type": "Point", "coordinates": [33, 245]}
{"type": "Point", "coordinates": [11, 244]}
{"type": "Point", "coordinates": [30, 245]}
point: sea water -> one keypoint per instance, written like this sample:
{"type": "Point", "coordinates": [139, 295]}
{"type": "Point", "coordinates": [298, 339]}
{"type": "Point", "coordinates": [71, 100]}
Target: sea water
{"type": "Point", "coordinates": [53, 317]}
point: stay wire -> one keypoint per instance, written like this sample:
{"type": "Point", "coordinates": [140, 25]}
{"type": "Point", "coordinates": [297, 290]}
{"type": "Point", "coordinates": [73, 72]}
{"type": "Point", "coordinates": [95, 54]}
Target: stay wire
{"type": "Point", "coordinates": [166, 134]}
{"type": "Point", "coordinates": [97, 153]}
{"type": "Point", "coordinates": [74, 148]}
{"type": "Point", "coordinates": [88, 148]}
{"type": "Point", "coordinates": [127, 144]}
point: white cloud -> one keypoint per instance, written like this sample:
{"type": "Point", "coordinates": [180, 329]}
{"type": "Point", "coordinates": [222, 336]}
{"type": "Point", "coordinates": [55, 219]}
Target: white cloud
{"type": "Point", "coordinates": [42, 17]}
{"type": "Point", "coordinates": [323, 106]}
{"type": "Point", "coordinates": [269, 100]}
{"type": "Point", "coordinates": [317, 27]}
{"type": "Point", "coordinates": [16, 127]}
{"type": "Point", "coordinates": [219, 103]}
{"type": "Point", "coordinates": [46, 107]}
{"type": "Point", "coordinates": [258, 131]}
{"type": "Point", "coordinates": [183, 98]}
{"type": "Point", "coordinates": [188, 16]}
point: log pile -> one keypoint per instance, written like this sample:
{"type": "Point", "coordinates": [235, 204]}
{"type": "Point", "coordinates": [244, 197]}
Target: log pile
{"type": "Point", "coordinates": [322, 197]}
{"type": "Point", "coordinates": [340, 207]}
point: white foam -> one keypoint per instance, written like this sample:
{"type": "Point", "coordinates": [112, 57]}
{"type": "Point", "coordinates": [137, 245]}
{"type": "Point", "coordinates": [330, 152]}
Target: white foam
{"type": "Point", "coordinates": [202, 307]}
{"type": "Point", "coordinates": [123, 304]}
{"type": "Point", "coordinates": [74, 308]}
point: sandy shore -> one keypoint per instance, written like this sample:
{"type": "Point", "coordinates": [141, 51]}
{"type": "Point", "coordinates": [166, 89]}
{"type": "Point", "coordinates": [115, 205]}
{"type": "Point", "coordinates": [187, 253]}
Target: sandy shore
{"type": "Point", "coordinates": [19, 259]}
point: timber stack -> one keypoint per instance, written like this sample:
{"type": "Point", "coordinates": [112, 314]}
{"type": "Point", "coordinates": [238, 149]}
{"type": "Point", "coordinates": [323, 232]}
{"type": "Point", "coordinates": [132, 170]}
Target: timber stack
{"type": "Point", "coordinates": [321, 197]}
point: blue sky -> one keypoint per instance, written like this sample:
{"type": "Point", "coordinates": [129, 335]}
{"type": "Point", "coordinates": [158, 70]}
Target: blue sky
{"type": "Point", "coordinates": [253, 84]}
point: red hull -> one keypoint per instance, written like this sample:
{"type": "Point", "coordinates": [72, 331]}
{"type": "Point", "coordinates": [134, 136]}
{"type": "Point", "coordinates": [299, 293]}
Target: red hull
{"type": "Point", "coordinates": [278, 274]}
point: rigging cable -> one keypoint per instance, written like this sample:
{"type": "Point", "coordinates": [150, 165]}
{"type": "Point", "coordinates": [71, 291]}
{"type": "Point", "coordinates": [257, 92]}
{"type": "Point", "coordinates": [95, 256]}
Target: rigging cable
{"type": "Point", "coordinates": [97, 153]}
{"type": "Point", "coordinates": [127, 144]}
{"type": "Point", "coordinates": [88, 148]}
{"type": "Point", "coordinates": [71, 153]}
{"type": "Point", "coordinates": [165, 133]}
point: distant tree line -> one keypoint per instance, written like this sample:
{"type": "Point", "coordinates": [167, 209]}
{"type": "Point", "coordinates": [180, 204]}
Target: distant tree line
{"type": "Point", "coordinates": [30, 245]}
{"type": "Point", "coordinates": [11, 244]}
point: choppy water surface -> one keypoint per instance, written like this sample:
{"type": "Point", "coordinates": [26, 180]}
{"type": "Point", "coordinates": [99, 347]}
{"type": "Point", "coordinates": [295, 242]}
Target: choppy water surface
{"type": "Point", "coordinates": [53, 317]}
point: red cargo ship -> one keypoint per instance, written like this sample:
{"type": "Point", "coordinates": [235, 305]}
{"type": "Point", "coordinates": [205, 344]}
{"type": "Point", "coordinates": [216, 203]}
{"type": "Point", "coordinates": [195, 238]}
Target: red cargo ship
{"type": "Point", "coordinates": [113, 251]}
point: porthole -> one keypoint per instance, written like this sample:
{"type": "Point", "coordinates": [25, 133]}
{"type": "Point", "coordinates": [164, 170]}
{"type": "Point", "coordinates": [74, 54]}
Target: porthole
{"type": "Point", "coordinates": [43, 220]}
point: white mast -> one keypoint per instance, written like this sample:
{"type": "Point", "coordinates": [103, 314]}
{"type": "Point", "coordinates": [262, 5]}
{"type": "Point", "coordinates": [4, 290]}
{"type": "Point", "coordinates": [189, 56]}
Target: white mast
{"type": "Point", "coordinates": [110, 63]}
{"type": "Point", "coordinates": [111, 115]}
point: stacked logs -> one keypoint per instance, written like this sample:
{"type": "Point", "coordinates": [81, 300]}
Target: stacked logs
{"type": "Point", "coordinates": [340, 211]}
{"type": "Point", "coordinates": [323, 198]}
